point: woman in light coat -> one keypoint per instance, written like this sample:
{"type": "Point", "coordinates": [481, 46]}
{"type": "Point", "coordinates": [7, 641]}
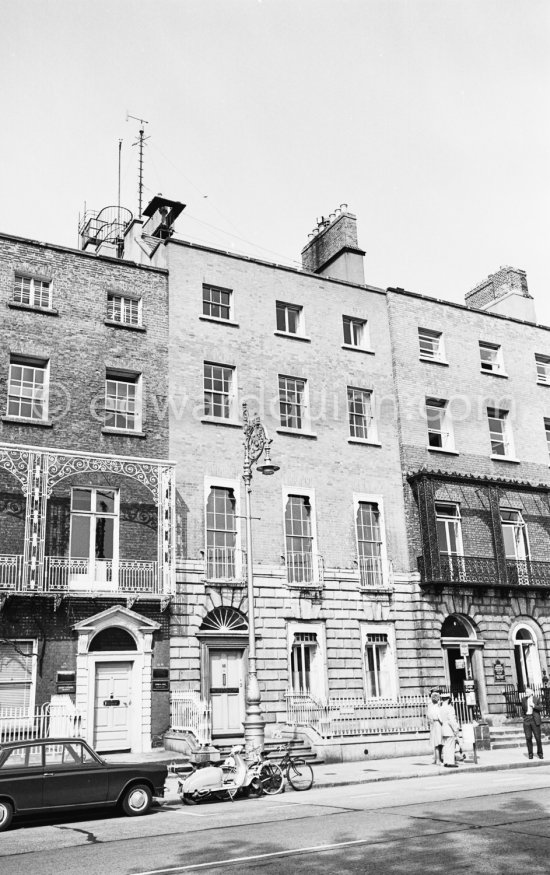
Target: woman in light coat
{"type": "Point", "coordinates": [433, 715]}
{"type": "Point", "coordinates": [449, 731]}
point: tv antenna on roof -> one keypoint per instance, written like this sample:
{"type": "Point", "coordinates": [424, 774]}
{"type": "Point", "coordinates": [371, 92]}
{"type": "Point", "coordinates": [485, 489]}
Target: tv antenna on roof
{"type": "Point", "coordinates": [139, 142]}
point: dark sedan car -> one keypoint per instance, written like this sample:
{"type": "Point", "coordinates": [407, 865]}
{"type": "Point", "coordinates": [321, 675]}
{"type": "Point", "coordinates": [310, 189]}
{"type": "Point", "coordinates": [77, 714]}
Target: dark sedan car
{"type": "Point", "coordinates": [61, 773]}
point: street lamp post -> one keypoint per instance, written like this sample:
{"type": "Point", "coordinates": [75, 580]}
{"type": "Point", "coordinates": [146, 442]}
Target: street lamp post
{"type": "Point", "coordinates": [255, 443]}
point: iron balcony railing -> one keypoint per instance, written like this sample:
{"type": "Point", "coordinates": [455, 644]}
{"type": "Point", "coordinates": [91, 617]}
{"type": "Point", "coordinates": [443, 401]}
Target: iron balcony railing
{"type": "Point", "coordinates": [484, 571]}
{"type": "Point", "coordinates": [62, 574]}
{"type": "Point", "coordinates": [304, 569]}
{"type": "Point", "coordinates": [371, 572]}
{"type": "Point", "coordinates": [11, 571]}
{"type": "Point", "coordinates": [225, 565]}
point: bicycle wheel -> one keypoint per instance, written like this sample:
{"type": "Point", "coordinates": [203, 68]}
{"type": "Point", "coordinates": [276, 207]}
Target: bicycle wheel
{"type": "Point", "coordinates": [299, 775]}
{"type": "Point", "coordinates": [271, 778]}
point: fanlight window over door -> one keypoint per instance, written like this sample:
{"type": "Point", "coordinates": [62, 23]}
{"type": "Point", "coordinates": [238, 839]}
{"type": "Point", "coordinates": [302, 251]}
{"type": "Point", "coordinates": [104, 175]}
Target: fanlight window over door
{"type": "Point", "coordinates": [225, 620]}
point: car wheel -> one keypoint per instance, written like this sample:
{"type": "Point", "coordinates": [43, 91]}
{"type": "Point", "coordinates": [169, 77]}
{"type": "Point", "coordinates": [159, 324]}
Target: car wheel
{"type": "Point", "coordinates": [137, 800]}
{"type": "Point", "coordinates": [6, 814]}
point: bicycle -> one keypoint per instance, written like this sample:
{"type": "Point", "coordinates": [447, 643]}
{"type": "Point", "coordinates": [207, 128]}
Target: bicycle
{"type": "Point", "coordinates": [268, 773]}
{"type": "Point", "coordinates": [296, 770]}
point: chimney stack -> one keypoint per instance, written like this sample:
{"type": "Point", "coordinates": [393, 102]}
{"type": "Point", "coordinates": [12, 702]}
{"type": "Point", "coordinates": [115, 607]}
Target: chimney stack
{"type": "Point", "coordinates": [504, 292]}
{"type": "Point", "coordinates": [332, 249]}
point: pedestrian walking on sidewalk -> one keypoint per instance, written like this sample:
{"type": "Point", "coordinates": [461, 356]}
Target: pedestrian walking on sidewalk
{"type": "Point", "coordinates": [449, 731]}
{"type": "Point", "coordinates": [433, 715]}
{"type": "Point", "coordinates": [530, 706]}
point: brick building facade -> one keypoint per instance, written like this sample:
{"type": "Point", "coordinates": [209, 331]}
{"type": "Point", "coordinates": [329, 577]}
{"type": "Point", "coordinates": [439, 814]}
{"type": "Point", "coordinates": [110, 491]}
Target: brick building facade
{"type": "Point", "coordinates": [407, 524]}
{"type": "Point", "coordinates": [452, 445]}
{"type": "Point", "coordinates": [86, 492]}
{"type": "Point", "coordinates": [474, 424]}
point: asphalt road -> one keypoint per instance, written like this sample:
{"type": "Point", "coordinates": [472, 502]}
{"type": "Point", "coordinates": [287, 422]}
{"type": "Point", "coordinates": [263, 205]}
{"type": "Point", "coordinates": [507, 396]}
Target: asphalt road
{"type": "Point", "coordinates": [489, 822]}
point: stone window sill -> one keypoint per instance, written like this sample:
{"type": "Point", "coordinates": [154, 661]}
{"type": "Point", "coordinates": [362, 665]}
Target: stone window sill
{"type": "Point", "coordinates": [218, 420]}
{"type": "Point", "coordinates": [112, 323]}
{"type": "Point", "coordinates": [296, 432]}
{"type": "Point", "coordinates": [443, 450]}
{"type": "Point", "coordinates": [219, 320]}
{"type": "Point", "coordinates": [290, 336]}
{"type": "Point", "coordinates": [434, 361]}
{"type": "Point", "coordinates": [494, 373]}
{"type": "Point", "coordinates": [543, 383]}
{"type": "Point", "coordinates": [122, 432]}
{"type": "Point", "coordinates": [16, 420]}
{"type": "Point", "coordinates": [47, 311]}
{"type": "Point", "coordinates": [353, 348]}
{"type": "Point", "coordinates": [365, 442]}
{"type": "Point", "coordinates": [506, 459]}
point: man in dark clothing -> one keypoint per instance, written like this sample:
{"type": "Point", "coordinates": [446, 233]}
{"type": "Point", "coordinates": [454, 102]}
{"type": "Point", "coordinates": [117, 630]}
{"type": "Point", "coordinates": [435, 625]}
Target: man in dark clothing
{"type": "Point", "coordinates": [530, 706]}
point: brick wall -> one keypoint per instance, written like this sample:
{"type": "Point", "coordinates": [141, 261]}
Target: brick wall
{"type": "Point", "coordinates": [80, 346]}
{"type": "Point", "coordinates": [505, 280]}
{"type": "Point", "coordinates": [37, 618]}
{"type": "Point", "coordinates": [327, 464]}
{"type": "Point", "coordinates": [340, 235]}
{"type": "Point", "coordinates": [470, 391]}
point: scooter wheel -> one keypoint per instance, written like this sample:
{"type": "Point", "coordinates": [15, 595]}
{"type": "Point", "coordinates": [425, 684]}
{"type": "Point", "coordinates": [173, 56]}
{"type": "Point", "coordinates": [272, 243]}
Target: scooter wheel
{"type": "Point", "coordinates": [189, 799]}
{"type": "Point", "coordinates": [254, 789]}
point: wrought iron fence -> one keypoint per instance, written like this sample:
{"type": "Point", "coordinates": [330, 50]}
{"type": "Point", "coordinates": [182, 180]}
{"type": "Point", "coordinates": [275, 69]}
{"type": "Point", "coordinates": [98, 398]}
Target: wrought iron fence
{"type": "Point", "coordinates": [190, 713]}
{"type": "Point", "coordinates": [513, 696]}
{"type": "Point", "coordinates": [348, 715]}
{"type": "Point", "coordinates": [46, 721]}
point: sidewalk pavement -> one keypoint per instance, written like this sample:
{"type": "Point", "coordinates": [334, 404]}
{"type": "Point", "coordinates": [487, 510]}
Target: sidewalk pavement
{"type": "Point", "coordinates": [366, 771]}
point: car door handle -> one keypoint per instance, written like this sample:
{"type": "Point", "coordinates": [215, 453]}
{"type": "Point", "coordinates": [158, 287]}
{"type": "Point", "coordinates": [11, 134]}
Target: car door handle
{"type": "Point", "coordinates": [49, 774]}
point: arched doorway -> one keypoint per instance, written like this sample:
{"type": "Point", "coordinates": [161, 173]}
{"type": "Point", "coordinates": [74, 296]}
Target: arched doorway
{"type": "Point", "coordinates": [463, 656]}
{"type": "Point", "coordinates": [224, 639]}
{"type": "Point", "coordinates": [113, 679]}
{"type": "Point", "coordinates": [526, 658]}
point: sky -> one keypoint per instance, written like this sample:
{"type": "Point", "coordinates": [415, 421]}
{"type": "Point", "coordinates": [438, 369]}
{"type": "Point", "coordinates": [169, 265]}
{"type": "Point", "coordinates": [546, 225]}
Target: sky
{"type": "Point", "coordinates": [429, 118]}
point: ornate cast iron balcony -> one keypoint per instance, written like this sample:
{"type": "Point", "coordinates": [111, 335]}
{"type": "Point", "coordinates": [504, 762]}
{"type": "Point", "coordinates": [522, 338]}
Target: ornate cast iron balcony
{"type": "Point", "coordinates": [64, 575]}
{"type": "Point", "coordinates": [484, 571]}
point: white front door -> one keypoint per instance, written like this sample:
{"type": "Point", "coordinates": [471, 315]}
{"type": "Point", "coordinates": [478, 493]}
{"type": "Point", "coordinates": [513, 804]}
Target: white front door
{"type": "Point", "coordinates": [226, 691]}
{"type": "Point", "coordinates": [113, 688]}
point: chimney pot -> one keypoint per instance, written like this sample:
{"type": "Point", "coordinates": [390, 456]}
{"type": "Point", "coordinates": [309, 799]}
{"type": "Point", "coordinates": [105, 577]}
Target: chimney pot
{"type": "Point", "coordinates": [334, 251]}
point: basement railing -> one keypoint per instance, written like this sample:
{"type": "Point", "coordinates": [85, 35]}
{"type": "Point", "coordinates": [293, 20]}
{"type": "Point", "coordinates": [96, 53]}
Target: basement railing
{"type": "Point", "coordinates": [343, 716]}
{"type": "Point", "coordinates": [190, 713]}
{"type": "Point", "coordinates": [46, 721]}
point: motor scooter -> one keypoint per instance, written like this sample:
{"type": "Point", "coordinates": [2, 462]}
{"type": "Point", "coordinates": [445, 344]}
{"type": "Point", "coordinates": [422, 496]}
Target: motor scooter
{"type": "Point", "coordinates": [220, 782]}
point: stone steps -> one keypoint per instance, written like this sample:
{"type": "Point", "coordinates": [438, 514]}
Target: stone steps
{"type": "Point", "coordinates": [507, 736]}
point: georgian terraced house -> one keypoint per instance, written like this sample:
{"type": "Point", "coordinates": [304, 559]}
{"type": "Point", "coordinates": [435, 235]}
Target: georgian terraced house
{"type": "Point", "coordinates": [86, 493]}
{"type": "Point", "coordinates": [404, 542]}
